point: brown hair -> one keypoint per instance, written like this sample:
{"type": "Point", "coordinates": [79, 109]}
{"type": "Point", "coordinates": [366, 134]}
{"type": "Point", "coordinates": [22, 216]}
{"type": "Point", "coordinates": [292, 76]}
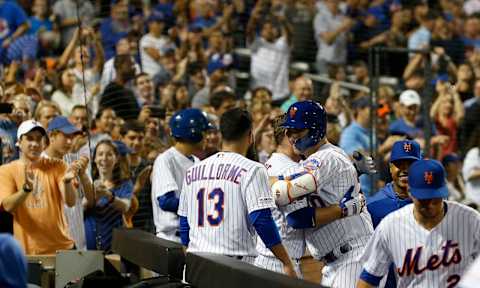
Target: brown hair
{"type": "Point", "coordinates": [278, 131]}
{"type": "Point", "coordinates": [120, 171]}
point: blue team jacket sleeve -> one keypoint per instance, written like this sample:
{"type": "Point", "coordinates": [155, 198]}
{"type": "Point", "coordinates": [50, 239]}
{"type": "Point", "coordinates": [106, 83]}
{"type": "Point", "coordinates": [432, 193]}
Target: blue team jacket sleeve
{"type": "Point", "coordinates": [369, 278]}
{"type": "Point", "coordinates": [168, 202]}
{"type": "Point", "coordinates": [184, 230]}
{"type": "Point", "coordinates": [265, 226]}
{"type": "Point", "coordinates": [302, 219]}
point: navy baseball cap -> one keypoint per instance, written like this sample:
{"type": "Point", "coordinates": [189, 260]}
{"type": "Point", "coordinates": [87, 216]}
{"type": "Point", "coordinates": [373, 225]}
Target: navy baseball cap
{"type": "Point", "coordinates": [122, 148]}
{"type": "Point", "coordinates": [61, 123]}
{"type": "Point", "coordinates": [405, 150]}
{"type": "Point", "coordinates": [156, 16]}
{"type": "Point", "coordinates": [361, 102]}
{"type": "Point", "coordinates": [450, 158]}
{"type": "Point", "coordinates": [426, 179]}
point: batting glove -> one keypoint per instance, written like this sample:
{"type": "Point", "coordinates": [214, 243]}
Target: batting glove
{"type": "Point", "coordinates": [364, 164]}
{"type": "Point", "coordinates": [352, 205]}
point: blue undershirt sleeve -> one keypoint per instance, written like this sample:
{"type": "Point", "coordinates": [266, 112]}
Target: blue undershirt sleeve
{"type": "Point", "coordinates": [168, 202]}
{"type": "Point", "coordinates": [302, 219]}
{"type": "Point", "coordinates": [369, 278]}
{"type": "Point", "coordinates": [184, 231]}
{"type": "Point", "coordinates": [265, 226]}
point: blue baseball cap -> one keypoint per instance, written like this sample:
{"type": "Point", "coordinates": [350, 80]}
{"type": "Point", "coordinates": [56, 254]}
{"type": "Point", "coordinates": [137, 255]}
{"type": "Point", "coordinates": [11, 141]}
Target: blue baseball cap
{"type": "Point", "coordinates": [122, 148]}
{"type": "Point", "coordinates": [405, 150]}
{"type": "Point", "coordinates": [61, 123]}
{"type": "Point", "coordinates": [426, 179]}
{"type": "Point", "coordinates": [440, 78]}
{"type": "Point", "coordinates": [156, 16]}
{"type": "Point", "coordinates": [450, 158]}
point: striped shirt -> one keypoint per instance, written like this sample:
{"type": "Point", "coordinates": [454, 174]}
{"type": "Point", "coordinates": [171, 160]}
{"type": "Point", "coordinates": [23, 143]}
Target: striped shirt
{"type": "Point", "coordinates": [24, 48]}
{"type": "Point", "coordinates": [292, 239]}
{"type": "Point", "coordinates": [217, 195]}
{"type": "Point", "coordinates": [74, 214]}
{"type": "Point", "coordinates": [269, 66]}
{"type": "Point", "coordinates": [425, 258]}
{"type": "Point", "coordinates": [167, 176]}
{"type": "Point", "coordinates": [334, 174]}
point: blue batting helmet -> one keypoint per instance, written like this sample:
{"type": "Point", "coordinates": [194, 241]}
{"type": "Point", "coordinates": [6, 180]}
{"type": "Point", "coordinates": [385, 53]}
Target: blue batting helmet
{"type": "Point", "coordinates": [189, 124]}
{"type": "Point", "coordinates": [307, 115]}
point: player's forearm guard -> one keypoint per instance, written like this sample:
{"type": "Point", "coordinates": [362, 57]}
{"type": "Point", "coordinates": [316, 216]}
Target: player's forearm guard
{"type": "Point", "coordinates": [285, 191]}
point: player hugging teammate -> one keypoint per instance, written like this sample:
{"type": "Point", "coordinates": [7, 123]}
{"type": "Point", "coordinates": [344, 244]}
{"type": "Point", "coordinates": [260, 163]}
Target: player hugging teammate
{"type": "Point", "coordinates": [226, 202]}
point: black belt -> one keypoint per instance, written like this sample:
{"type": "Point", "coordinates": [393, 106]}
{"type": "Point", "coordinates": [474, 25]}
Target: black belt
{"type": "Point", "coordinates": [238, 257]}
{"type": "Point", "coordinates": [330, 257]}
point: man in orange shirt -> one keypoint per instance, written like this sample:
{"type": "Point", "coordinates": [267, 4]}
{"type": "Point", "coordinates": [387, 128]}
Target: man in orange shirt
{"type": "Point", "coordinates": [34, 190]}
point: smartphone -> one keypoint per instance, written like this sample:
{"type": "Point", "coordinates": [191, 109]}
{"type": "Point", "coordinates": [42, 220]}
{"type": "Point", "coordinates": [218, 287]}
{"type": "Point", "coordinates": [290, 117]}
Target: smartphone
{"type": "Point", "coordinates": [157, 112]}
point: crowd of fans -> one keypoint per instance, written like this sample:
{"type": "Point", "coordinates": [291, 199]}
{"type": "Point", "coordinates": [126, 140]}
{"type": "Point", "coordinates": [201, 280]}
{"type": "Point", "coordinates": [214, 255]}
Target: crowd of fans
{"type": "Point", "coordinates": [103, 80]}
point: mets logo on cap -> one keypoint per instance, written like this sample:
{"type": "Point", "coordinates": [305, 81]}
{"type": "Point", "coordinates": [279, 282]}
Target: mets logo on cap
{"type": "Point", "coordinates": [428, 176]}
{"type": "Point", "coordinates": [292, 112]}
{"type": "Point", "coordinates": [407, 147]}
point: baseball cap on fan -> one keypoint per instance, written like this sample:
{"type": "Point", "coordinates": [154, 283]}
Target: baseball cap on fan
{"type": "Point", "coordinates": [61, 123]}
{"type": "Point", "coordinates": [426, 179]}
{"type": "Point", "coordinates": [409, 98]}
{"type": "Point", "coordinates": [29, 125]}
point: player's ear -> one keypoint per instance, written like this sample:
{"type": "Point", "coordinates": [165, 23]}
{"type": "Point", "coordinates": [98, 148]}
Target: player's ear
{"type": "Point", "coordinates": [251, 138]}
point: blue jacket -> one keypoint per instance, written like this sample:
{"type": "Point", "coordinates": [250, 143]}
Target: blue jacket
{"type": "Point", "coordinates": [384, 202]}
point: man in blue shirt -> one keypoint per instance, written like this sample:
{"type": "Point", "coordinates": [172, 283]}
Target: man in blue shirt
{"type": "Point", "coordinates": [395, 194]}
{"type": "Point", "coordinates": [357, 136]}
{"type": "Point", "coordinates": [13, 24]}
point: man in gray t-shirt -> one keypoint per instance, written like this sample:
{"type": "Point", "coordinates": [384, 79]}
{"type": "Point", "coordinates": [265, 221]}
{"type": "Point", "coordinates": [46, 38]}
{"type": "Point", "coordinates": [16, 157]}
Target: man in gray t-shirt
{"type": "Point", "coordinates": [331, 30]}
{"type": "Point", "coordinates": [66, 10]}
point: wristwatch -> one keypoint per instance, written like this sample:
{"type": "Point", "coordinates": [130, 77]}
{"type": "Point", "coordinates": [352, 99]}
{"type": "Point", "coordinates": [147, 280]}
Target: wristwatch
{"type": "Point", "coordinates": [27, 188]}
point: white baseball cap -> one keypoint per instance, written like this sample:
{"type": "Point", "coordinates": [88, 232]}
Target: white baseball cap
{"type": "Point", "coordinates": [28, 126]}
{"type": "Point", "coordinates": [410, 97]}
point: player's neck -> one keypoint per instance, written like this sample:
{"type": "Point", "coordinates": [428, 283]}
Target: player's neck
{"type": "Point", "coordinates": [428, 222]}
{"type": "Point", "coordinates": [235, 147]}
{"type": "Point", "coordinates": [401, 193]}
{"type": "Point", "coordinates": [363, 122]}
{"type": "Point", "coordinates": [288, 151]}
{"type": "Point", "coordinates": [184, 148]}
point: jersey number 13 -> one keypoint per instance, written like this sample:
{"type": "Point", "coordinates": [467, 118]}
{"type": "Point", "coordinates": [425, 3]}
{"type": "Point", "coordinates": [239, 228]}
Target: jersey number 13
{"type": "Point", "coordinates": [215, 218]}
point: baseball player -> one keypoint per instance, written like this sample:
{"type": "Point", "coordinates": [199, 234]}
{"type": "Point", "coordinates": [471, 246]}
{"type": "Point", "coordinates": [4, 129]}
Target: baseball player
{"type": "Point", "coordinates": [335, 234]}
{"type": "Point", "coordinates": [226, 197]}
{"type": "Point", "coordinates": [395, 194]}
{"type": "Point", "coordinates": [283, 159]}
{"type": "Point", "coordinates": [431, 242]}
{"type": "Point", "coordinates": [187, 128]}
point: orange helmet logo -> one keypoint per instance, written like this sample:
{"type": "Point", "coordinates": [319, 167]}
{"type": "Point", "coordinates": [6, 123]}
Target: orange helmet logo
{"type": "Point", "coordinates": [407, 147]}
{"type": "Point", "coordinates": [428, 176]}
{"type": "Point", "coordinates": [292, 112]}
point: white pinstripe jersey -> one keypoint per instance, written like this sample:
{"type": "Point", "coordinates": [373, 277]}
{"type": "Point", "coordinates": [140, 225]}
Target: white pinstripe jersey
{"type": "Point", "coordinates": [423, 258]}
{"type": "Point", "coordinates": [335, 174]}
{"type": "Point", "coordinates": [217, 196]}
{"type": "Point", "coordinates": [292, 239]}
{"type": "Point", "coordinates": [168, 172]}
